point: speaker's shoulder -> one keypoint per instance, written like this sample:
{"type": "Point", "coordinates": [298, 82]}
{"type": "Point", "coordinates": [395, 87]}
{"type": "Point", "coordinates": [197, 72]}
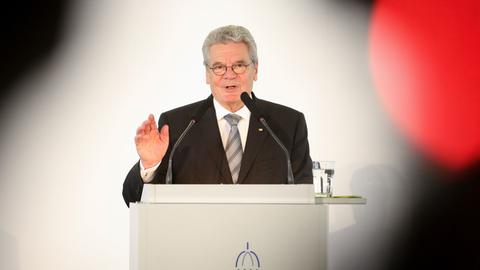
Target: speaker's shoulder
{"type": "Point", "coordinates": [188, 109]}
{"type": "Point", "coordinates": [276, 110]}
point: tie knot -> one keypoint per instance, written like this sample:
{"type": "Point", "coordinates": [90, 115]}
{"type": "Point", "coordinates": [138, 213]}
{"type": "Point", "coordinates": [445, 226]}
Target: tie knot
{"type": "Point", "coordinates": [232, 119]}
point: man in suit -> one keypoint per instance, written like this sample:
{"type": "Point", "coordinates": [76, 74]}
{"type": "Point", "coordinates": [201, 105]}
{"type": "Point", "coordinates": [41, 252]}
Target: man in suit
{"type": "Point", "coordinates": [227, 145]}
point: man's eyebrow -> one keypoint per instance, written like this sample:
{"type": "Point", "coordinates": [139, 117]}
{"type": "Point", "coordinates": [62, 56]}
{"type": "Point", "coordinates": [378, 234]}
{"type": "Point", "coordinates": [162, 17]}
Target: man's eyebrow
{"type": "Point", "coordinates": [222, 64]}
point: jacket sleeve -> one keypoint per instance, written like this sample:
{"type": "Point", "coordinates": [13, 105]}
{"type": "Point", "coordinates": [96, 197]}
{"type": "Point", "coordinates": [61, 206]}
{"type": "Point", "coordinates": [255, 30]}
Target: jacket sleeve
{"type": "Point", "coordinates": [300, 154]}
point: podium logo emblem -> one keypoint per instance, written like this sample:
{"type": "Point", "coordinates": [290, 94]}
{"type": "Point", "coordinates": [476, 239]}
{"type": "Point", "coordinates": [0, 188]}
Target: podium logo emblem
{"type": "Point", "coordinates": [247, 260]}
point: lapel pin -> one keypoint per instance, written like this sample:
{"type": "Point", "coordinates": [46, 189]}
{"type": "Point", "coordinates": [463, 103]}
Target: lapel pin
{"type": "Point", "coordinates": [260, 129]}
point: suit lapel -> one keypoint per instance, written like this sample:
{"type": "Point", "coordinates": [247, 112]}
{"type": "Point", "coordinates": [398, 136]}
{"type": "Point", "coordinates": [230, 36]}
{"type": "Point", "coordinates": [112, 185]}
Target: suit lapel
{"type": "Point", "coordinates": [209, 126]}
{"type": "Point", "coordinates": [255, 139]}
{"type": "Point", "coordinates": [256, 136]}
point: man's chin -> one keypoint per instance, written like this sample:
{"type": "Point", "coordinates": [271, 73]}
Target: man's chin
{"type": "Point", "coordinates": [230, 102]}
{"type": "Point", "coordinates": [231, 97]}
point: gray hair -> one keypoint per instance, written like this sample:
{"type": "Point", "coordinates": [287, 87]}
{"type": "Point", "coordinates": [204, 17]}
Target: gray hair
{"type": "Point", "coordinates": [226, 34]}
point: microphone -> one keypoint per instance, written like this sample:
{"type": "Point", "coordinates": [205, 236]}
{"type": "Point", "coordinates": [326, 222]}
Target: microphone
{"type": "Point", "coordinates": [195, 118]}
{"type": "Point", "coordinates": [259, 115]}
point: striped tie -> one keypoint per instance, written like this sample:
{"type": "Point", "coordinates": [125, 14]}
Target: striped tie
{"type": "Point", "coordinates": [233, 149]}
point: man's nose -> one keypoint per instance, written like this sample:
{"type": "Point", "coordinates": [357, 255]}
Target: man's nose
{"type": "Point", "coordinates": [229, 74]}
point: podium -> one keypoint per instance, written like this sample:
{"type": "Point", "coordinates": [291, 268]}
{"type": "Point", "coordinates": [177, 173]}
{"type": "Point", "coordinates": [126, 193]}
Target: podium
{"type": "Point", "coordinates": [280, 227]}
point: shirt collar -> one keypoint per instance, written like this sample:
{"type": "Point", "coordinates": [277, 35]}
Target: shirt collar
{"type": "Point", "coordinates": [221, 111]}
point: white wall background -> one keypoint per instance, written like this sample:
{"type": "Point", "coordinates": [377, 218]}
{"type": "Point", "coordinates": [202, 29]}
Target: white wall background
{"type": "Point", "coordinates": [67, 145]}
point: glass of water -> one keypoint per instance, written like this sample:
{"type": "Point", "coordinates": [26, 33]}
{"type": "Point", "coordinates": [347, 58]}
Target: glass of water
{"type": "Point", "coordinates": [323, 172]}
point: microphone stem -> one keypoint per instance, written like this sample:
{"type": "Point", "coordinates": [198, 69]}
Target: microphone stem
{"type": "Point", "coordinates": [168, 178]}
{"type": "Point", "coordinates": [290, 179]}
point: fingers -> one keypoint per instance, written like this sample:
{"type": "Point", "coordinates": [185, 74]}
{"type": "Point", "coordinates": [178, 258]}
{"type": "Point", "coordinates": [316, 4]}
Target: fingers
{"type": "Point", "coordinates": [138, 139]}
{"type": "Point", "coordinates": [164, 134]}
{"type": "Point", "coordinates": [152, 122]}
{"type": "Point", "coordinates": [147, 126]}
{"type": "Point", "coordinates": [140, 130]}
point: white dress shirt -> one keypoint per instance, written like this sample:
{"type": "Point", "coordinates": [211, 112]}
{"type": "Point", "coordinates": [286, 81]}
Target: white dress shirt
{"type": "Point", "coordinates": [224, 128]}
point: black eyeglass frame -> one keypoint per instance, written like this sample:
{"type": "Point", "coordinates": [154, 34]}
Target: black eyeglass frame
{"type": "Point", "coordinates": [224, 68]}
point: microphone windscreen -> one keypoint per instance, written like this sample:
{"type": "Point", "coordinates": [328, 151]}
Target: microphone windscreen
{"type": "Point", "coordinates": [249, 103]}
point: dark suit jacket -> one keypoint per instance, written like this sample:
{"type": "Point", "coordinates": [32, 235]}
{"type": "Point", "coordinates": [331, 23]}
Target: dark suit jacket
{"type": "Point", "coordinates": [200, 158]}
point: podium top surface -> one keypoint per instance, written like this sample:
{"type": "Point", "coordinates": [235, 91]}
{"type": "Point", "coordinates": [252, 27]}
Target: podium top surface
{"type": "Point", "coordinates": [287, 194]}
{"type": "Point", "coordinates": [238, 194]}
{"type": "Point", "coordinates": [340, 200]}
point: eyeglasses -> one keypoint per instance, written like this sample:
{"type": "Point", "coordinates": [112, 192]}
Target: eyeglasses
{"type": "Point", "coordinates": [239, 68]}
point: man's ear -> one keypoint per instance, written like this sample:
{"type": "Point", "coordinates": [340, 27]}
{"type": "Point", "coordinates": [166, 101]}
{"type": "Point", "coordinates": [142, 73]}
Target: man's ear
{"type": "Point", "coordinates": [256, 72]}
{"type": "Point", "coordinates": [207, 76]}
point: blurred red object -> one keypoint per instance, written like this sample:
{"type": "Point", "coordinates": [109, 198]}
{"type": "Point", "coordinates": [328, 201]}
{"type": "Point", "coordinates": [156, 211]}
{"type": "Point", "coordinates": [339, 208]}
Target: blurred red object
{"type": "Point", "coordinates": [425, 63]}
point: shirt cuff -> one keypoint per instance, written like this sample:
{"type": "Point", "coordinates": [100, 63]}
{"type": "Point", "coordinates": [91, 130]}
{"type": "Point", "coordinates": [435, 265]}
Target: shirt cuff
{"type": "Point", "coordinates": [148, 174]}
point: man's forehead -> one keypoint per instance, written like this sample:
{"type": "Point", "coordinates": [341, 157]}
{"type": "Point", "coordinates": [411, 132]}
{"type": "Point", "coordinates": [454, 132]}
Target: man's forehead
{"type": "Point", "coordinates": [236, 52]}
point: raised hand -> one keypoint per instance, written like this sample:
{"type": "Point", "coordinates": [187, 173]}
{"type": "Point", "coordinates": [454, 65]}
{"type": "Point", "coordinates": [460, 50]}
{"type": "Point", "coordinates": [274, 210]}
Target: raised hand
{"type": "Point", "coordinates": [150, 143]}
